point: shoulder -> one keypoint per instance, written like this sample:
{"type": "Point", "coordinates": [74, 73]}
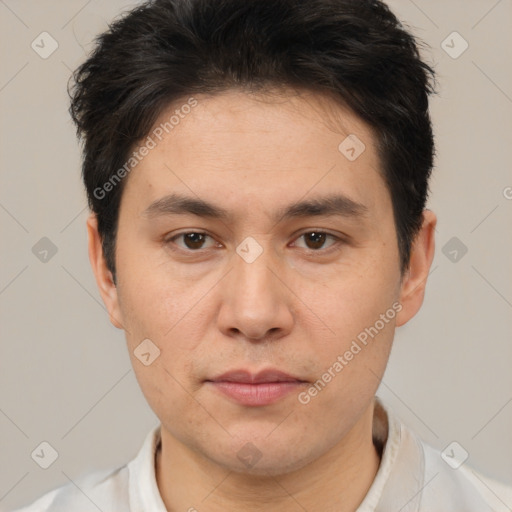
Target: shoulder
{"type": "Point", "coordinates": [457, 485]}
{"type": "Point", "coordinates": [416, 477]}
{"type": "Point", "coordinates": [101, 490]}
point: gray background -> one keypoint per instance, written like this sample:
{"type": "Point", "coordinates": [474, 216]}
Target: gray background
{"type": "Point", "coordinates": [65, 375]}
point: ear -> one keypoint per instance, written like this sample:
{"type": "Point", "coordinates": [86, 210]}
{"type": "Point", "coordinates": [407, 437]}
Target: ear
{"type": "Point", "coordinates": [412, 290]}
{"type": "Point", "coordinates": [104, 279]}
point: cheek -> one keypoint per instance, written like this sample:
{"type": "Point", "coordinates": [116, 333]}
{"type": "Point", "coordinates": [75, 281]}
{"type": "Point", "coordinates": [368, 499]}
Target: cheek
{"type": "Point", "coordinates": [164, 390]}
{"type": "Point", "coordinates": [358, 312]}
{"type": "Point", "coordinates": [155, 300]}
{"type": "Point", "coordinates": [349, 369]}
{"type": "Point", "coordinates": [353, 300]}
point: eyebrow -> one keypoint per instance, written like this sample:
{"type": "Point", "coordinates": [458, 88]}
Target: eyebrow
{"type": "Point", "coordinates": [336, 204]}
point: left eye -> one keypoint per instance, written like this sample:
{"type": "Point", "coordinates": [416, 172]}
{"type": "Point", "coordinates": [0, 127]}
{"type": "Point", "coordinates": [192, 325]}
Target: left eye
{"type": "Point", "coordinates": [316, 239]}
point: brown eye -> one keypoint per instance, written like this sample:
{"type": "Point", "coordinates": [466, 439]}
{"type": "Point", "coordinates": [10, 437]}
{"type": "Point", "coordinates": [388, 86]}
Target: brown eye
{"type": "Point", "coordinates": [192, 240]}
{"type": "Point", "coordinates": [316, 240]}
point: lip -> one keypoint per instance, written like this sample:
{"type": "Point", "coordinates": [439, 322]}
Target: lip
{"type": "Point", "coordinates": [256, 389]}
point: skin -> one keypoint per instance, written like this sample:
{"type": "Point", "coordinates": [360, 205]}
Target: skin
{"type": "Point", "coordinates": [297, 307]}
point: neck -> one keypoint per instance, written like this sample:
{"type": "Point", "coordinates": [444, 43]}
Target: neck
{"type": "Point", "coordinates": [338, 480]}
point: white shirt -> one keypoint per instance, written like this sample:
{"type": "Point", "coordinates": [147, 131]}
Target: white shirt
{"type": "Point", "coordinates": [412, 477]}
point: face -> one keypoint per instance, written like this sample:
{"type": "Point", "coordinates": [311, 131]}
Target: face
{"type": "Point", "coordinates": [269, 284]}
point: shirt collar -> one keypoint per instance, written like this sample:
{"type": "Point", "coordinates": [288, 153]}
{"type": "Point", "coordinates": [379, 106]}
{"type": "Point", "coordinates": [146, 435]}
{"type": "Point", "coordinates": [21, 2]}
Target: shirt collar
{"type": "Point", "coordinates": [143, 489]}
{"type": "Point", "coordinates": [399, 479]}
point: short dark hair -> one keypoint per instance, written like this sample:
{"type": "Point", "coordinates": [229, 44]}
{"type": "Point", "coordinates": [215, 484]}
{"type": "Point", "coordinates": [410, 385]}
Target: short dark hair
{"type": "Point", "coordinates": [356, 51]}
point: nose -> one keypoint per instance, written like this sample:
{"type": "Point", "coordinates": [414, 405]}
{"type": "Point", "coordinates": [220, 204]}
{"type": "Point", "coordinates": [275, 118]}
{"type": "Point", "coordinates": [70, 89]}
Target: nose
{"type": "Point", "coordinates": [256, 304]}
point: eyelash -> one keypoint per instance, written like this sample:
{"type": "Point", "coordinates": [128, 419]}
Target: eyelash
{"type": "Point", "coordinates": [337, 241]}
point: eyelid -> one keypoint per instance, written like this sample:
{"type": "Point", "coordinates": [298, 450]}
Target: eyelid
{"type": "Point", "coordinates": [317, 230]}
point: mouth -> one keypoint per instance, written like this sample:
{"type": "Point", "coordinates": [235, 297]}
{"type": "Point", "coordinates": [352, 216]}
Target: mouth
{"type": "Point", "coordinates": [256, 389]}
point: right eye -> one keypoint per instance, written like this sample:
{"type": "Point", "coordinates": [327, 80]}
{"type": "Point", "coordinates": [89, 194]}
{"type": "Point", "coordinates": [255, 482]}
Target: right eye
{"type": "Point", "coordinates": [192, 240]}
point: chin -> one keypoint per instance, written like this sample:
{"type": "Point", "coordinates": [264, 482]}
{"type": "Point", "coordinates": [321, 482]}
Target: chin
{"type": "Point", "coordinates": [266, 467]}
{"type": "Point", "coordinates": [260, 457]}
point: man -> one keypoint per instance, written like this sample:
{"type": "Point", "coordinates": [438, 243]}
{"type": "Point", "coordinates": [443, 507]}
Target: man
{"type": "Point", "coordinates": [257, 173]}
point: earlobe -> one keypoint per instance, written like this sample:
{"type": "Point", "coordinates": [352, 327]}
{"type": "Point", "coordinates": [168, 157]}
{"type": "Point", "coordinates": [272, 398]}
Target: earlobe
{"type": "Point", "coordinates": [104, 279]}
{"type": "Point", "coordinates": [412, 290]}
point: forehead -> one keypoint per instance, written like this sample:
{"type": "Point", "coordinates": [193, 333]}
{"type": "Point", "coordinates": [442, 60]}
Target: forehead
{"type": "Point", "coordinates": [258, 149]}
